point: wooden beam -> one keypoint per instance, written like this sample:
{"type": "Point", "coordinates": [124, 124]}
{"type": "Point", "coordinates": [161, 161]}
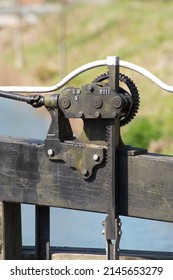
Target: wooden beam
{"type": "Point", "coordinates": [10, 231]}
{"type": "Point", "coordinates": [28, 176]}
{"type": "Point", "coordinates": [146, 186]}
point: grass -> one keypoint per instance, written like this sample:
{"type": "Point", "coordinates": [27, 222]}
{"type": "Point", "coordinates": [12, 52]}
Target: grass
{"type": "Point", "coordinates": [137, 31]}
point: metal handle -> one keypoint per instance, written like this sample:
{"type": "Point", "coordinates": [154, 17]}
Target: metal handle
{"type": "Point", "coordinates": [106, 62]}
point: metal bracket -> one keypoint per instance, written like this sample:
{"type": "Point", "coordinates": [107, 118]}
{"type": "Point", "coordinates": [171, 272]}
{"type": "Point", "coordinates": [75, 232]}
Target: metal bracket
{"type": "Point", "coordinates": [82, 157]}
{"type": "Point", "coordinates": [113, 234]}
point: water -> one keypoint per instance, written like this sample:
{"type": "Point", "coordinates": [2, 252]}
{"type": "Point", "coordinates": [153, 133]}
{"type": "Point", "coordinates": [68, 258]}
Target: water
{"type": "Point", "coordinates": [75, 228]}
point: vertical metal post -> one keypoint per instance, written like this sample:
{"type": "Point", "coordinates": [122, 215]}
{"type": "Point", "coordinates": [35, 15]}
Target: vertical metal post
{"type": "Point", "coordinates": [42, 235]}
{"type": "Point", "coordinates": [112, 224]}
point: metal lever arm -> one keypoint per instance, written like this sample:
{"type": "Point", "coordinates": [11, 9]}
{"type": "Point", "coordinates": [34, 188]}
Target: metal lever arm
{"type": "Point", "coordinates": [34, 100]}
{"type": "Point", "coordinates": [14, 96]}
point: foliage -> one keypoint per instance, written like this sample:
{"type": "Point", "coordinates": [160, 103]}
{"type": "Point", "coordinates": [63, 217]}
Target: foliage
{"type": "Point", "coordinates": [142, 133]}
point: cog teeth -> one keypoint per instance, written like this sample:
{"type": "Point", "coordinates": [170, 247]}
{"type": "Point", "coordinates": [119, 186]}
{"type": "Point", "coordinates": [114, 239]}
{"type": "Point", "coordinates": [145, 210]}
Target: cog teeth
{"type": "Point", "coordinates": [101, 78]}
{"type": "Point", "coordinates": [135, 94]}
{"type": "Point", "coordinates": [107, 140]}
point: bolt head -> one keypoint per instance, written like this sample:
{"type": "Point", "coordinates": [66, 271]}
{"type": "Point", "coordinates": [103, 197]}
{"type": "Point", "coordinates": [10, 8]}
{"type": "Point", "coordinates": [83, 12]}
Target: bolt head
{"type": "Point", "coordinates": [96, 157]}
{"type": "Point", "coordinates": [97, 102]}
{"type": "Point", "coordinates": [50, 152]}
{"type": "Point", "coordinates": [65, 102]}
{"type": "Point", "coordinates": [84, 172]}
{"type": "Point", "coordinates": [116, 102]}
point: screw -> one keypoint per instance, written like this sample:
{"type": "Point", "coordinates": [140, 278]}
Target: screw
{"type": "Point", "coordinates": [50, 152]}
{"type": "Point", "coordinates": [96, 157]}
{"type": "Point", "coordinates": [103, 231]}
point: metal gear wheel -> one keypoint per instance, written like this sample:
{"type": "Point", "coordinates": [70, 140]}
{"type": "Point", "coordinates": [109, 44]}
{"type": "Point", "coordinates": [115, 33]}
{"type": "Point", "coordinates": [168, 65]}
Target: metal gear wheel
{"type": "Point", "coordinates": [133, 92]}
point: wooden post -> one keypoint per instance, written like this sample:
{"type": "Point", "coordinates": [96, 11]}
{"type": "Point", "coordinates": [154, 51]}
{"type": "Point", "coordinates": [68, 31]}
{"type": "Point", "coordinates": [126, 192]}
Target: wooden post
{"type": "Point", "coordinates": [42, 235]}
{"type": "Point", "coordinates": [10, 231]}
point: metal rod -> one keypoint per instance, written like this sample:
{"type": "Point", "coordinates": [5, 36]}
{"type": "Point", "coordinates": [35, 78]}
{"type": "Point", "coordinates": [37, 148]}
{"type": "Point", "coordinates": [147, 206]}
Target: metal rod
{"type": "Point", "coordinates": [106, 62]}
{"type": "Point", "coordinates": [15, 96]}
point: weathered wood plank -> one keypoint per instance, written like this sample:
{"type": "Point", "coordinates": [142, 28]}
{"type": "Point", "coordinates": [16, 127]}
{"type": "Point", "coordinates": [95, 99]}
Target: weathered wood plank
{"type": "Point", "coordinates": [10, 231]}
{"type": "Point", "coordinates": [146, 186]}
{"type": "Point", "coordinates": [28, 176]}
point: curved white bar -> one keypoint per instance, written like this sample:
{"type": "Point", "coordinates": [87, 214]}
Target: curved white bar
{"type": "Point", "coordinates": [147, 74]}
{"type": "Point", "coordinates": [63, 82]}
{"type": "Point", "coordinates": [111, 60]}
